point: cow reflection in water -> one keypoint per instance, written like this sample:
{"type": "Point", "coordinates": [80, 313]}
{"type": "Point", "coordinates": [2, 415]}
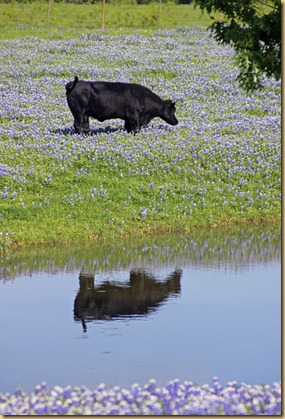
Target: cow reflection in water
{"type": "Point", "coordinates": [142, 294]}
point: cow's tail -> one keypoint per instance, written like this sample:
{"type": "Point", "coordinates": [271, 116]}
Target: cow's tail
{"type": "Point", "coordinates": [70, 85]}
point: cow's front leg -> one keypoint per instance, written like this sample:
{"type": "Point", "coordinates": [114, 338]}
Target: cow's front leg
{"type": "Point", "coordinates": [144, 119]}
{"type": "Point", "coordinates": [132, 123]}
{"type": "Point", "coordinates": [127, 126]}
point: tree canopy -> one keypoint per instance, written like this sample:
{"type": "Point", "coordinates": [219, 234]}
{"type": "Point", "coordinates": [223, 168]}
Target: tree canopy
{"type": "Point", "coordinates": [253, 28]}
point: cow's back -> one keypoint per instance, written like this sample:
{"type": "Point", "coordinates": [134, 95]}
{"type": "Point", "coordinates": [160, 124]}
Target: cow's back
{"type": "Point", "coordinates": [122, 92]}
{"type": "Point", "coordinates": [115, 100]}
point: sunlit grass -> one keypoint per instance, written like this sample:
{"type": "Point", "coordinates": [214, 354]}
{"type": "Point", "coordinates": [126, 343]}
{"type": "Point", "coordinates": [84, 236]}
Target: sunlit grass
{"type": "Point", "coordinates": [219, 166]}
{"type": "Point", "coordinates": [63, 20]}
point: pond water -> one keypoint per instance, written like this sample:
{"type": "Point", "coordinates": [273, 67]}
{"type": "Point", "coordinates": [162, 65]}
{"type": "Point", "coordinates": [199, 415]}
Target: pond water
{"type": "Point", "coordinates": [189, 307]}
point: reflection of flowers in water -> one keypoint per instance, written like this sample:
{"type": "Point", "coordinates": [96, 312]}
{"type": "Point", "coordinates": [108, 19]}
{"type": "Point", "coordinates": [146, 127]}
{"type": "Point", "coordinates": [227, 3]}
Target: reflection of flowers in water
{"type": "Point", "coordinates": [176, 398]}
{"type": "Point", "coordinates": [233, 248]}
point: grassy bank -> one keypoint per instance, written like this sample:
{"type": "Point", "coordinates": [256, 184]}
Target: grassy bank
{"type": "Point", "coordinates": [232, 248]}
{"type": "Point", "coordinates": [62, 20]}
{"type": "Point", "coordinates": [219, 166]}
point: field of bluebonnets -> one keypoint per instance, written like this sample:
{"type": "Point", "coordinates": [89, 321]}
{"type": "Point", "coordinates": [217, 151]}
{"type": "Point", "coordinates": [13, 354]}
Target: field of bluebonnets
{"type": "Point", "coordinates": [219, 166]}
{"type": "Point", "coordinates": [176, 398]}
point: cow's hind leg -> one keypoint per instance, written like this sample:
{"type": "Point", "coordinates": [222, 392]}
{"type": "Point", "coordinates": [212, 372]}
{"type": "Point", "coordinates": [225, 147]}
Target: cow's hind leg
{"type": "Point", "coordinates": [77, 124]}
{"type": "Point", "coordinates": [77, 127]}
{"type": "Point", "coordinates": [81, 124]}
{"type": "Point", "coordinates": [85, 125]}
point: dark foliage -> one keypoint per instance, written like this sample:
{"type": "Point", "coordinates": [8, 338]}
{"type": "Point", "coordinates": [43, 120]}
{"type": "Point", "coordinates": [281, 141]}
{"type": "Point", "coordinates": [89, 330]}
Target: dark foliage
{"type": "Point", "coordinates": [253, 28]}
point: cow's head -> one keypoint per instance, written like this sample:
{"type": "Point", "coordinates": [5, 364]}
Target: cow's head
{"type": "Point", "coordinates": [168, 114]}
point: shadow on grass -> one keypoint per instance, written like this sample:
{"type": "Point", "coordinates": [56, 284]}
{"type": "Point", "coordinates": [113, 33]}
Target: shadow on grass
{"type": "Point", "coordinates": [97, 131]}
{"type": "Point", "coordinates": [109, 130]}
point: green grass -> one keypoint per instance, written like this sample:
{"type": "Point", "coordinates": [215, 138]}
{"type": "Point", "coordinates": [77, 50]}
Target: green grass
{"type": "Point", "coordinates": [220, 166]}
{"type": "Point", "coordinates": [63, 20]}
{"type": "Point", "coordinates": [65, 208]}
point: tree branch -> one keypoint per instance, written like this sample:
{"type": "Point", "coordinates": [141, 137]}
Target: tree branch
{"type": "Point", "coordinates": [265, 4]}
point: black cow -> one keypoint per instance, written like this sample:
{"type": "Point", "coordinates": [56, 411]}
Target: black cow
{"type": "Point", "coordinates": [142, 294]}
{"type": "Point", "coordinates": [135, 104]}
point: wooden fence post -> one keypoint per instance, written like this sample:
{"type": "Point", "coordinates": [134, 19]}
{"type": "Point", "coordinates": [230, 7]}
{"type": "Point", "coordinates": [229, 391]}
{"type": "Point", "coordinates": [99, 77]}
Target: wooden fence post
{"type": "Point", "coordinates": [48, 12]}
{"type": "Point", "coordinates": [103, 13]}
{"type": "Point", "coordinates": [159, 14]}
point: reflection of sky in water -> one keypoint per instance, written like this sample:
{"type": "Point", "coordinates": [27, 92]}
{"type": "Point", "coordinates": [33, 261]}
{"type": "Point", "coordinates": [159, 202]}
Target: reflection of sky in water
{"type": "Point", "coordinates": [224, 323]}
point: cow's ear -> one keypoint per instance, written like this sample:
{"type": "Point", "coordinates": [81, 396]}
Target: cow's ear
{"type": "Point", "coordinates": [169, 103]}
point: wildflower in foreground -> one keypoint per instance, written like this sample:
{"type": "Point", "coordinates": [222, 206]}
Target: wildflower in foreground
{"type": "Point", "coordinates": [176, 398]}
